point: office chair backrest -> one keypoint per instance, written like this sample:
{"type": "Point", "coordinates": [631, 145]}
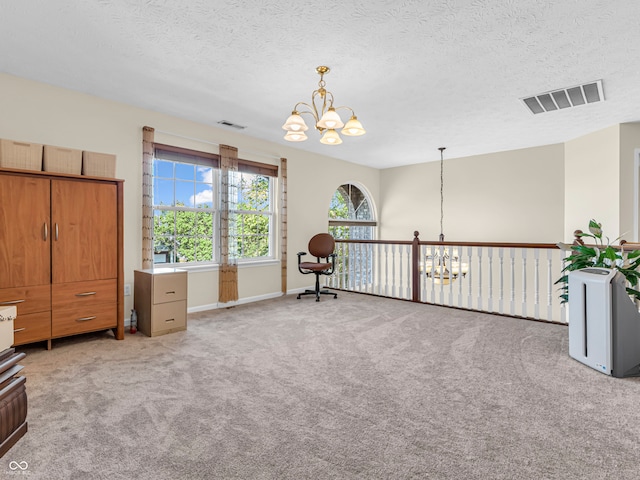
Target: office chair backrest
{"type": "Point", "coordinates": [322, 245]}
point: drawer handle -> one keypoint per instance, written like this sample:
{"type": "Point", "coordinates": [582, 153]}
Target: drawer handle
{"type": "Point", "coordinates": [11, 302]}
{"type": "Point", "coordinates": [85, 319]}
{"type": "Point", "coordinates": [170, 320]}
{"type": "Point", "coordinates": [172, 292]}
{"type": "Point", "coordinates": [85, 294]}
{"type": "Point", "coordinates": [19, 330]}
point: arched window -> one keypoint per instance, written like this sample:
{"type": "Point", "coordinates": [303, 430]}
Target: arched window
{"type": "Point", "coordinates": [351, 214]}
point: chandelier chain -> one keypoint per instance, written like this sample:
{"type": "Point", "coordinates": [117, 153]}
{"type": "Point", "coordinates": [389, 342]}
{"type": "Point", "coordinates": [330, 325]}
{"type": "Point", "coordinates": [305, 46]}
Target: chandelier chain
{"type": "Point", "coordinates": [441, 193]}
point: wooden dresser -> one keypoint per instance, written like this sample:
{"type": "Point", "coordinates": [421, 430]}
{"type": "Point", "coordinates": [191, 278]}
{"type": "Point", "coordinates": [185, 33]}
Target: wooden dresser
{"type": "Point", "coordinates": [61, 239]}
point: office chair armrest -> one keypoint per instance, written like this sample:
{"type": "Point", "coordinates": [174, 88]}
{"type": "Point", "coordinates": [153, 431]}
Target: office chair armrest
{"type": "Point", "coordinates": [301, 254]}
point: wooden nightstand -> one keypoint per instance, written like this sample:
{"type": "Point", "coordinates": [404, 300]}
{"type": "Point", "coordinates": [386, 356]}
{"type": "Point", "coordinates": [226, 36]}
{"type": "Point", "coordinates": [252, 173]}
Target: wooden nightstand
{"type": "Point", "coordinates": [160, 300]}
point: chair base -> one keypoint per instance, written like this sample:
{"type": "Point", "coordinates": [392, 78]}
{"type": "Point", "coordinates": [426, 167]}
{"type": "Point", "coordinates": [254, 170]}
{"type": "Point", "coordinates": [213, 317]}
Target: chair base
{"type": "Point", "coordinates": [317, 293]}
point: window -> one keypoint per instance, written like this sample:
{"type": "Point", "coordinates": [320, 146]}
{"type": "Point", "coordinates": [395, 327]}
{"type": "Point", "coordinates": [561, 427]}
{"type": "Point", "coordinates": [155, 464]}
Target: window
{"type": "Point", "coordinates": [351, 214]}
{"type": "Point", "coordinates": [253, 216]}
{"type": "Point", "coordinates": [186, 207]}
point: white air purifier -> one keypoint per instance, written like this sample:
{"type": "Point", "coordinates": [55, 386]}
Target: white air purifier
{"type": "Point", "coordinates": [604, 323]}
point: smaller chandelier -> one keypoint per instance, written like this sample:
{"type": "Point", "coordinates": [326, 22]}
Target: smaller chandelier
{"type": "Point", "coordinates": [326, 119]}
{"type": "Point", "coordinates": [444, 268]}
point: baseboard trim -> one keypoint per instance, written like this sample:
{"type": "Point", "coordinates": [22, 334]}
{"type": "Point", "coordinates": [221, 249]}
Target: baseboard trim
{"type": "Point", "coordinates": [241, 301]}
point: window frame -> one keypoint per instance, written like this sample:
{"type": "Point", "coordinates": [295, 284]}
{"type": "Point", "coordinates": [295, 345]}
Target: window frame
{"type": "Point", "coordinates": [353, 222]}
{"type": "Point", "coordinates": [212, 160]}
{"type": "Point", "coordinates": [270, 213]}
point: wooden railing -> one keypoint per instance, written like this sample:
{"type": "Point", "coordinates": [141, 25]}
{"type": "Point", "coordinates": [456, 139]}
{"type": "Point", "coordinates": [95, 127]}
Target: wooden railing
{"type": "Point", "coordinates": [515, 279]}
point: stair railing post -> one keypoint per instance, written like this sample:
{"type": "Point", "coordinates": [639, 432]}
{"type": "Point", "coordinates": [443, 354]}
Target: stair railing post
{"type": "Point", "coordinates": [415, 268]}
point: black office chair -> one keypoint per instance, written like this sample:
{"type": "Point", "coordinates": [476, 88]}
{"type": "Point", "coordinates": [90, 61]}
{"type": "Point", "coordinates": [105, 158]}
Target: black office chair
{"type": "Point", "coordinates": [321, 246]}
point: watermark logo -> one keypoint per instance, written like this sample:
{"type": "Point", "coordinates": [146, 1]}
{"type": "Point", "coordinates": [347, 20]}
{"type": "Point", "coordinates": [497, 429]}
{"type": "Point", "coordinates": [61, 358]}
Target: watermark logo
{"type": "Point", "coordinates": [13, 465]}
{"type": "Point", "coordinates": [18, 468]}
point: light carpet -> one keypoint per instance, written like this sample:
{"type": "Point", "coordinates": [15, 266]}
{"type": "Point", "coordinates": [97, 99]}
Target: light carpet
{"type": "Point", "coordinates": [359, 387]}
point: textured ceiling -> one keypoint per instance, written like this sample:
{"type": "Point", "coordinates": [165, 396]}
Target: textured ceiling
{"type": "Point", "coordinates": [419, 74]}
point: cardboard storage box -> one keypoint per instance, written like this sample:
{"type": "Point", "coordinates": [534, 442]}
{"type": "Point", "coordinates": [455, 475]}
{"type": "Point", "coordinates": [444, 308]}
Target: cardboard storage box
{"type": "Point", "coordinates": [20, 155]}
{"type": "Point", "coordinates": [98, 164]}
{"type": "Point", "coordinates": [62, 160]}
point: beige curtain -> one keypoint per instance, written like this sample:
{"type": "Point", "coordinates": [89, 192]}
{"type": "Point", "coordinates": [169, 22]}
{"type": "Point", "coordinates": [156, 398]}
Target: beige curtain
{"type": "Point", "coordinates": [228, 281]}
{"type": "Point", "coordinates": [283, 223]}
{"type": "Point", "coordinates": [147, 197]}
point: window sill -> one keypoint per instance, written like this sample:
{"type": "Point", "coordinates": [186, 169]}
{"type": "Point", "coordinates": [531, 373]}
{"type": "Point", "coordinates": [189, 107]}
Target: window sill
{"type": "Point", "coordinates": [214, 267]}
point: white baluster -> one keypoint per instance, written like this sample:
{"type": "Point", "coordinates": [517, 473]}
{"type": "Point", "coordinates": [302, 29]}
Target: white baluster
{"type": "Point", "coordinates": [379, 269]}
{"type": "Point", "coordinates": [393, 270]}
{"type": "Point", "coordinates": [401, 278]}
{"type": "Point", "coordinates": [460, 282]}
{"type": "Point", "coordinates": [480, 278]}
{"type": "Point", "coordinates": [490, 255]}
{"type": "Point", "coordinates": [441, 274]}
{"type": "Point", "coordinates": [512, 291]}
{"type": "Point", "coordinates": [409, 271]}
{"type": "Point", "coordinates": [524, 282]}
{"type": "Point", "coordinates": [453, 253]}
{"type": "Point", "coordinates": [469, 292]}
{"type": "Point", "coordinates": [536, 281]}
{"type": "Point", "coordinates": [423, 274]}
{"type": "Point", "coordinates": [501, 294]}
{"type": "Point", "coordinates": [433, 273]}
{"type": "Point", "coordinates": [386, 269]}
{"type": "Point", "coordinates": [549, 284]}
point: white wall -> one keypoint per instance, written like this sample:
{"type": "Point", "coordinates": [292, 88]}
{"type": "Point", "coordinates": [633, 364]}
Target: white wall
{"type": "Point", "coordinates": [513, 196]}
{"type": "Point", "coordinates": [592, 172]}
{"type": "Point", "coordinates": [36, 112]}
{"type": "Point", "coordinates": [629, 143]}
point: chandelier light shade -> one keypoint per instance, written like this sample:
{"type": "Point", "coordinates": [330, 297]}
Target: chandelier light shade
{"type": "Point", "coordinates": [331, 137]}
{"type": "Point", "coordinates": [295, 136]}
{"type": "Point", "coordinates": [325, 117]}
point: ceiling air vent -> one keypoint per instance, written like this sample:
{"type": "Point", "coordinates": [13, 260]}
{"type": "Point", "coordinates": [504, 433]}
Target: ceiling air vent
{"type": "Point", "coordinates": [565, 98]}
{"type": "Point", "coordinates": [233, 125]}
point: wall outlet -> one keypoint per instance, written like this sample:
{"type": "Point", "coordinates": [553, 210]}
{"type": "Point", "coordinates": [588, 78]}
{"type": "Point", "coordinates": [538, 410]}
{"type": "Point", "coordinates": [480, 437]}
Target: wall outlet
{"type": "Point", "coordinates": [127, 289]}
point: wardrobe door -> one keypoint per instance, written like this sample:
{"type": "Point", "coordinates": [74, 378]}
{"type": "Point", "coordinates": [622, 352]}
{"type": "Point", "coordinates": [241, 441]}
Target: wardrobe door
{"type": "Point", "coordinates": [84, 231]}
{"type": "Point", "coordinates": [24, 231]}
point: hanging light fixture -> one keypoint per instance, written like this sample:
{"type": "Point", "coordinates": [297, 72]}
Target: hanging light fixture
{"type": "Point", "coordinates": [326, 119]}
{"type": "Point", "coordinates": [441, 265]}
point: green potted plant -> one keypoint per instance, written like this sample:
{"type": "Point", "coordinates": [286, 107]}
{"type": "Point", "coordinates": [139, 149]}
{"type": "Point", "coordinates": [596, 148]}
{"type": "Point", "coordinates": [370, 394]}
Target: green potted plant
{"type": "Point", "coordinates": [599, 255]}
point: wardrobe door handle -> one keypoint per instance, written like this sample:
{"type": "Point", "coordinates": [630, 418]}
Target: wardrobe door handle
{"type": "Point", "coordinates": [56, 232]}
{"type": "Point", "coordinates": [46, 231]}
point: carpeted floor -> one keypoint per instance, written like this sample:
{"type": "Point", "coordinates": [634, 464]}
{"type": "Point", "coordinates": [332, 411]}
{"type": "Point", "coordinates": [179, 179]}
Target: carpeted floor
{"type": "Point", "coordinates": [354, 388]}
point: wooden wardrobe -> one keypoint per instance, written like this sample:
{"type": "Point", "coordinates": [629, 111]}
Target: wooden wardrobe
{"type": "Point", "coordinates": [61, 258]}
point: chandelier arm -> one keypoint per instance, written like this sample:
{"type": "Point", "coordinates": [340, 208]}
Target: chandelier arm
{"type": "Point", "coordinates": [311, 110]}
{"type": "Point", "coordinates": [344, 107]}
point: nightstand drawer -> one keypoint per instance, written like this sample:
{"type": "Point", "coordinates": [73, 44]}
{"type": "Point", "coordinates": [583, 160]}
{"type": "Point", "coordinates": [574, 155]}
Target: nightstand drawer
{"type": "Point", "coordinates": [169, 317]}
{"type": "Point", "coordinates": [169, 287]}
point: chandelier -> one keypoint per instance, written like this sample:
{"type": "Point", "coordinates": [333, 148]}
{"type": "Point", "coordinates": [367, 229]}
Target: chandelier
{"type": "Point", "coordinates": [325, 117]}
{"type": "Point", "coordinates": [443, 266]}
{"type": "Point", "coordinates": [440, 265]}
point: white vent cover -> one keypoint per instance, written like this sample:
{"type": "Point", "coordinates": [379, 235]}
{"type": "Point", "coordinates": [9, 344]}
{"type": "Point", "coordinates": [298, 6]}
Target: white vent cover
{"type": "Point", "coordinates": [565, 98]}
{"type": "Point", "coordinates": [230, 124]}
